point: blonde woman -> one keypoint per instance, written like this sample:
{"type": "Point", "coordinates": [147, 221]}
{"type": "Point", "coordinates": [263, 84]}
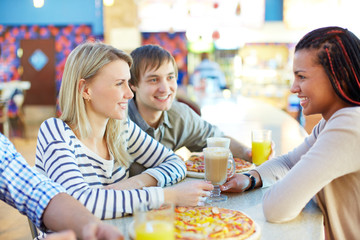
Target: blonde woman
{"type": "Point", "coordinates": [89, 149]}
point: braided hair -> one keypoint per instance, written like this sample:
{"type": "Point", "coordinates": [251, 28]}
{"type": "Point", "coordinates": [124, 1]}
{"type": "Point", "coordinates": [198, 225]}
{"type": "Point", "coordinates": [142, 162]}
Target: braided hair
{"type": "Point", "coordinates": [339, 54]}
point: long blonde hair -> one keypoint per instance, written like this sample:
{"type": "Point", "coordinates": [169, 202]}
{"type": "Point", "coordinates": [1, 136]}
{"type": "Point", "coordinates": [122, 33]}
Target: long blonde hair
{"type": "Point", "coordinates": [83, 63]}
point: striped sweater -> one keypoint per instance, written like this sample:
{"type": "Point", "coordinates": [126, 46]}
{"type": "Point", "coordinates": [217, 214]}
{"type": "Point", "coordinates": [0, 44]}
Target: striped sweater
{"type": "Point", "coordinates": [63, 158]}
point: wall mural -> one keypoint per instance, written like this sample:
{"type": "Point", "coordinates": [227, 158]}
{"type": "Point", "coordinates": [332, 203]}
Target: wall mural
{"type": "Point", "coordinates": [175, 43]}
{"type": "Point", "coordinates": [66, 39]}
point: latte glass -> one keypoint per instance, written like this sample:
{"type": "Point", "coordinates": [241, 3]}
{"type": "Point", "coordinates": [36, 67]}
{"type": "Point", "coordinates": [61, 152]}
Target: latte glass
{"type": "Point", "coordinates": [219, 165]}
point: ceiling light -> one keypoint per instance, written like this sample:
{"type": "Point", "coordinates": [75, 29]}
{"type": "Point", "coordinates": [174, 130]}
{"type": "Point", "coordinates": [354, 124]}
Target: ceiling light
{"type": "Point", "coordinates": [108, 3]}
{"type": "Point", "coordinates": [38, 3]}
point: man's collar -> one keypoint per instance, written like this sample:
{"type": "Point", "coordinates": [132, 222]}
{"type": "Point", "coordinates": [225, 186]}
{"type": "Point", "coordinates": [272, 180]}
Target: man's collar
{"type": "Point", "coordinates": [134, 114]}
{"type": "Point", "coordinates": [166, 120]}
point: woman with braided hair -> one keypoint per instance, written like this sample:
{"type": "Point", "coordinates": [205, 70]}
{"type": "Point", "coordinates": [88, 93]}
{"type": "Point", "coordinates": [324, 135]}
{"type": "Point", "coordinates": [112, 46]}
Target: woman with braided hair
{"type": "Point", "coordinates": [326, 166]}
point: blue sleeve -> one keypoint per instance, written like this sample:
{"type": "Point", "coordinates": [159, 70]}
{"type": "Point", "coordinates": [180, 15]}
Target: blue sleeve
{"type": "Point", "coordinates": [21, 187]}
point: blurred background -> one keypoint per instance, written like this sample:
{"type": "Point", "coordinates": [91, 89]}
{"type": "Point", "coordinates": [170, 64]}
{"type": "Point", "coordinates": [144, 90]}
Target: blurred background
{"type": "Point", "coordinates": [251, 40]}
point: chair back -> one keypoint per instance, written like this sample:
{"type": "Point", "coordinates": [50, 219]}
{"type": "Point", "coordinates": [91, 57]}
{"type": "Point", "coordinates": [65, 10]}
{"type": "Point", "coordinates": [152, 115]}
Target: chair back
{"type": "Point", "coordinates": [33, 229]}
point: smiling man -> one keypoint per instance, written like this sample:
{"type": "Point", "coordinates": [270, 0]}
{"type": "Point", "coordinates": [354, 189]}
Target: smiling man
{"type": "Point", "coordinates": [154, 108]}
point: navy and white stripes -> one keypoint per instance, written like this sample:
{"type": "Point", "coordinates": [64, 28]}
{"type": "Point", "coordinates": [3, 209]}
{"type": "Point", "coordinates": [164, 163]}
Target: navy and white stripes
{"type": "Point", "coordinates": [62, 157]}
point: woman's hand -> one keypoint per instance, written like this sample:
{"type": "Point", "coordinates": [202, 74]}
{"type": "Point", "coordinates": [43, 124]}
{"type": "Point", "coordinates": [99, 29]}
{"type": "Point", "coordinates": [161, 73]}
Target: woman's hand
{"type": "Point", "coordinates": [191, 193]}
{"type": "Point", "coordinates": [240, 182]}
{"type": "Point", "coordinates": [237, 183]}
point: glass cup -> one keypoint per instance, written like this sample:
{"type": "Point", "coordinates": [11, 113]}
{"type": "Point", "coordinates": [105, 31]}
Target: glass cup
{"type": "Point", "coordinates": [218, 142]}
{"type": "Point", "coordinates": [217, 162]}
{"type": "Point", "coordinates": [155, 224]}
{"type": "Point", "coordinates": [261, 145]}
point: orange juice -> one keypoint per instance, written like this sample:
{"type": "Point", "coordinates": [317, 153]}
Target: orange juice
{"type": "Point", "coordinates": [155, 230]}
{"type": "Point", "coordinates": [260, 152]}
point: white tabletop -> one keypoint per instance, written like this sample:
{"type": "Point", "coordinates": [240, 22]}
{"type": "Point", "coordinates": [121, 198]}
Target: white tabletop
{"type": "Point", "coordinates": [236, 117]}
{"type": "Point", "coordinates": [308, 225]}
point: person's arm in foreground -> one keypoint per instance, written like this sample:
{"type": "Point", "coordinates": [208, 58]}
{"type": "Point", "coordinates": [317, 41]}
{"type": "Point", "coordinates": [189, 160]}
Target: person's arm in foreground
{"type": "Point", "coordinates": [64, 212]}
{"type": "Point", "coordinates": [44, 201]}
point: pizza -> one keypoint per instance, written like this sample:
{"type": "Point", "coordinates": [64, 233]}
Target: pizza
{"type": "Point", "coordinates": [206, 223]}
{"type": "Point", "coordinates": [196, 164]}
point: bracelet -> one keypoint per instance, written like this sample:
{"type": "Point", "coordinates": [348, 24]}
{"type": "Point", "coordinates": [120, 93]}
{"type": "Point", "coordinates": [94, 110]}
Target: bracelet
{"type": "Point", "coordinates": [252, 181]}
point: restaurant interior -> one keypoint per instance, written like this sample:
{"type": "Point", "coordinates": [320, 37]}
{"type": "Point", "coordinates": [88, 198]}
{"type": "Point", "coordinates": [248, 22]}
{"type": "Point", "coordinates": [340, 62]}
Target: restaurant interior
{"type": "Point", "coordinates": [252, 41]}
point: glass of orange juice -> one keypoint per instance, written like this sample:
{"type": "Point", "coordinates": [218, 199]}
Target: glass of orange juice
{"type": "Point", "coordinates": [261, 145]}
{"type": "Point", "coordinates": [155, 224]}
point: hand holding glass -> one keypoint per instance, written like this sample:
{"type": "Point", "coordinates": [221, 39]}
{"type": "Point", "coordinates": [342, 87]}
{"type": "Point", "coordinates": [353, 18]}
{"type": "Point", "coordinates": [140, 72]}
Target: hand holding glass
{"type": "Point", "coordinates": [261, 146]}
{"type": "Point", "coordinates": [217, 160]}
{"type": "Point", "coordinates": [155, 224]}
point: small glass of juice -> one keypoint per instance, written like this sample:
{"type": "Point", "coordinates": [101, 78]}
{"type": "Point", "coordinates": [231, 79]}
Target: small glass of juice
{"type": "Point", "coordinates": [261, 145]}
{"type": "Point", "coordinates": [155, 224]}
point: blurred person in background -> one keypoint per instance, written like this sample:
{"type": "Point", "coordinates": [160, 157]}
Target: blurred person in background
{"type": "Point", "coordinates": [208, 75]}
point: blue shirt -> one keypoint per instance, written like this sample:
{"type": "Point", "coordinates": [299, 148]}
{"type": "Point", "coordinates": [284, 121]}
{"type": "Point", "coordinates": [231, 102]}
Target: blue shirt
{"type": "Point", "coordinates": [210, 71]}
{"type": "Point", "coordinates": [21, 187]}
